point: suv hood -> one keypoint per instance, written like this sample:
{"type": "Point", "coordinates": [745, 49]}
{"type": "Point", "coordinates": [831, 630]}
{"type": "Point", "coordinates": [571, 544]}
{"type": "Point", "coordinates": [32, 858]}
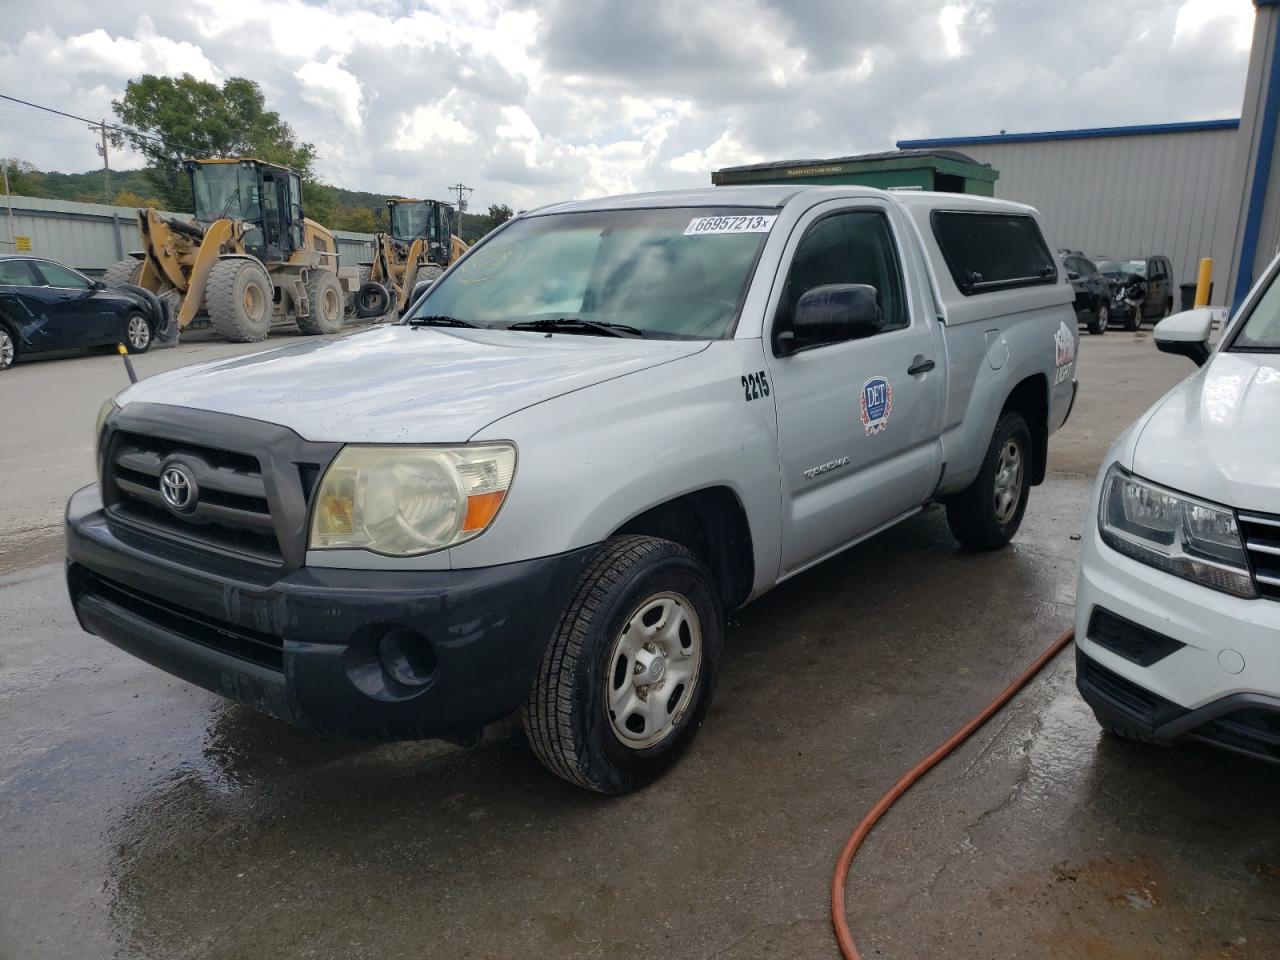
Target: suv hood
{"type": "Point", "coordinates": [404, 385]}
{"type": "Point", "coordinates": [1214, 435]}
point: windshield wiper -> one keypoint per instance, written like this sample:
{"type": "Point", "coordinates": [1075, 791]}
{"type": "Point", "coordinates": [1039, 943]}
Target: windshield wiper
{"type": "Point", "coordinates": [576, 325]}
{"type": "Point", "coordinates": [440, 320]}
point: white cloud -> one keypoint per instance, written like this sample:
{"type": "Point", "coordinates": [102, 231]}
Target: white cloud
{"type": "Point", "coordinates": [329, 86]}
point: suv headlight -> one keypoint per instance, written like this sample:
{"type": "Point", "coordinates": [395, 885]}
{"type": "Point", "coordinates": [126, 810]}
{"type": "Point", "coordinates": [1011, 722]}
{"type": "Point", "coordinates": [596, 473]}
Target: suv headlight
{"type": "Point", "coordinates": [402, 501]}
{"type": "Point", "coordinates": [1183, 536]}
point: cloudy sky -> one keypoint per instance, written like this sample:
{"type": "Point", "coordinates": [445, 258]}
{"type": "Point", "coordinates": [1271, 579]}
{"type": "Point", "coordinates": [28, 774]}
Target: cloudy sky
{"type": "Point", "coordinates": [530, 101]}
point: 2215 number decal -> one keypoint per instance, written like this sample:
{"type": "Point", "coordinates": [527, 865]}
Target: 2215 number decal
{"type": "Point", "coordinates": [755, 386]}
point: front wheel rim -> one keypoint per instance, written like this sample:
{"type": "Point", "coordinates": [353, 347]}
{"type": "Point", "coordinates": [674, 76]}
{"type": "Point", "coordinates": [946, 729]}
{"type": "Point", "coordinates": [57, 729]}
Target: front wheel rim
{"type": "Point", "coordinates": [139, 333]}
{"type": "Point", "coordinates": [6, 349]}
{"type": "Point", "coordinates": [1008, 485]}
{"type": "Point", "coordinates": [652, 671]}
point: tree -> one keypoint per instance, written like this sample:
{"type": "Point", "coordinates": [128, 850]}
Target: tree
{"type": "Point", "coordinates": [355, 219]}
{"type": "Point", "coordinates": [24, 178]}
{"type": "Point", "coordinates": [499, 213]}
{"type": "Point", "coordinates": [127, 198]}
{"type": "Point", "coordinates": [171, 119]}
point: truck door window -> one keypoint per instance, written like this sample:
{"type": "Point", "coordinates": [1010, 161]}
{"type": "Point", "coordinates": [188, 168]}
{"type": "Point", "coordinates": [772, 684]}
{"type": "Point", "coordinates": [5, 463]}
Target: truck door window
{"type": "Point", "coordinates": [853, 246]}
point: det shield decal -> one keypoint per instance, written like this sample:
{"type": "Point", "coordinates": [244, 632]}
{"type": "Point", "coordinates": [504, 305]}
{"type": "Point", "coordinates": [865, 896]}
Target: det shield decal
{"type": "Point", "coordinates": [704, 226]}
{"type": "Point", "coordinates": [877, 404]}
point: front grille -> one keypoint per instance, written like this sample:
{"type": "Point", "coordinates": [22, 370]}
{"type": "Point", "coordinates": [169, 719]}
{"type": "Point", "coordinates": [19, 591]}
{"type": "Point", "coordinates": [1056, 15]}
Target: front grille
{"type": "Point", "coordinates": [1142, 705]}
{"type": "Point", "coordinates": [254, 646]}
{"type": "Point", "coordinates": [1252, 730]}
{"type": "Point", "coordinates": [1262, 540]}
{"type": "Point", "coordinates": [232, 513]}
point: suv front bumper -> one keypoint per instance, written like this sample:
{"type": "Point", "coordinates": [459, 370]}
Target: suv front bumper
{"type": "Point", "coordinates": [305, 646]}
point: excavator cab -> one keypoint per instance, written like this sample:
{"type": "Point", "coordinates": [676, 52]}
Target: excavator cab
{"type": "Point", "coordinates": [267, 197]}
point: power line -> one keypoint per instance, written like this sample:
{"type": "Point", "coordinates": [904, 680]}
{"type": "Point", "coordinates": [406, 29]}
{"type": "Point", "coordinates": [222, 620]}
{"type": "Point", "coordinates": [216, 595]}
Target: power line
{"type": "Point", "coordinates": [94, 123]}
{"type": "Point", "coordinates": [463, 192]}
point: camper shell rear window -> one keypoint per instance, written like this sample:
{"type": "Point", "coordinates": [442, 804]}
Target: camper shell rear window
{"type": "Point", "coordinates": [986, 252]}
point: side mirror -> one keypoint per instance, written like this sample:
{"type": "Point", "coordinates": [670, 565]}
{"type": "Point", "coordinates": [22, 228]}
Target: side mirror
{"type": "Point", "coordinates": [1072, 275]}
{"type": "Point", "coordinates": [1186, 334]}
{"type": "Point", "coordinates": [831, 313]}
{"type": "Point", "coordinates": [99, 285]}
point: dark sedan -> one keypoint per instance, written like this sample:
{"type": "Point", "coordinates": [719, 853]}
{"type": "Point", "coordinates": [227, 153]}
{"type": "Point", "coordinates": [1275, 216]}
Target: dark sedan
{"type": "Point", "coordinates": [1093, 293]}
{"type": "Point", "coordinates": [46, 306]}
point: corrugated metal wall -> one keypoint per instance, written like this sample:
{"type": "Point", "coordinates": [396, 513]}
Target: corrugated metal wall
{"type": "Point", "coordinates": [1123, 195]}
{"type": "Point", "coordinates": [92, 236]}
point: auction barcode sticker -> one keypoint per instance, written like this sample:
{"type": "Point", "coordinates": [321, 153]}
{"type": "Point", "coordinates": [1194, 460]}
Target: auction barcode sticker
{"type": "Point", "coordinates": [756, 223]}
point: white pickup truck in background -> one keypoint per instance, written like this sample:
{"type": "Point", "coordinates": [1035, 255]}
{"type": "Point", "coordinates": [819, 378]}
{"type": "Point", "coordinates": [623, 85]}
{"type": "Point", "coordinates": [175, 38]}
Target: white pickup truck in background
{"type": "Point", "coordinates": [605, 426]}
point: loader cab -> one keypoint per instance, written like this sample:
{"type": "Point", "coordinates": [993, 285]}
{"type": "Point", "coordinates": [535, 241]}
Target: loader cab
{"type": "Point", "coordinates": [266, 196]}
{"type": "Point", "coordinates": [430, 220]}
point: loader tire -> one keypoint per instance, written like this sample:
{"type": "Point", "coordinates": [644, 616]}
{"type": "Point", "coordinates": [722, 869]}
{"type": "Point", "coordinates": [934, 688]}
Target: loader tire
{"type": "Point", "coordinates": [122, 273]}
{"type": "Point", "coordinates": [238, 300]}
{"type": "Point", "coordinates": [324, 294]}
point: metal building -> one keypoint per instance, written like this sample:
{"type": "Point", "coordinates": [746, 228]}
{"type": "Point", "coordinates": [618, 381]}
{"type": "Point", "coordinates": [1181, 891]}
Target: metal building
{"type": "Point", "coordinates": [1117, 191]}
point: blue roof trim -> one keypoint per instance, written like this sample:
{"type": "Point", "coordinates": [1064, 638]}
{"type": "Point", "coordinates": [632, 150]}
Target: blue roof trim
{"type": "Point", "coordinates": [1091, 133]}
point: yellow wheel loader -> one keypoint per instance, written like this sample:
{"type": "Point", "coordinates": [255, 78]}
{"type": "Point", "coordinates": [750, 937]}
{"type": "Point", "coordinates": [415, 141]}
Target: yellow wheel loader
{"type": "Point", "coordinates": [420, 245]}
{"type": "Point", "coordinates": [249, 259]}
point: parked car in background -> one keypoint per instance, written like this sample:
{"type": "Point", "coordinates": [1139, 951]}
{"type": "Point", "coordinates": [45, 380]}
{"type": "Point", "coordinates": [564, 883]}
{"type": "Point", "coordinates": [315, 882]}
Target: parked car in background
{"type": "Point", "coordinates": [1093, 292]}
{"type": "Point", "coordinates": [1178, 597]}
{"type": "Point", "coordinates": [1141, 288]}
{"type": "Point", "coordinates": [47, 306]}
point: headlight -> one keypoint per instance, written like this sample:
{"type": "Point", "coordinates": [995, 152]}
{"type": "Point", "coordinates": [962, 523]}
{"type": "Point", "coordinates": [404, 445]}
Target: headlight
{"type": "Point", "coordinates": [402, 501]}
{"type": "Point", "coordinates": [1178, 534]}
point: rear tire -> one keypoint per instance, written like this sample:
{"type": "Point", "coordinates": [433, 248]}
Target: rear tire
{"type": "Point", "coordinates": [122, 272]}
{"type": "Point", "coordinates": [372, 300]}
{"type": "Point", "coordinates": [1101, 319]}
{"type": "Point", "coordinates": [627, 679]}
{"type": "Point", "coordinates": [238, 300]}
{"type": "Point", "coordinates": [324, 294]}
{"type": "Point", "coordinates": [987, 514]}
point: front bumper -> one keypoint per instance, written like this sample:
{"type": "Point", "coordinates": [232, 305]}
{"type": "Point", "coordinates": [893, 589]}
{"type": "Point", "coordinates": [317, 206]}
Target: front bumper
{"type": "Point", "coordinates": [304, 646]}
{"type": "Point", "coordinates": [1168, 658]}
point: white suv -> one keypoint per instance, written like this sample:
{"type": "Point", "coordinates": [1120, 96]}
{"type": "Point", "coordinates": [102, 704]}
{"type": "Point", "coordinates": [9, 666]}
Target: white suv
{"type": "Point", "coordinates": [1178, 604]}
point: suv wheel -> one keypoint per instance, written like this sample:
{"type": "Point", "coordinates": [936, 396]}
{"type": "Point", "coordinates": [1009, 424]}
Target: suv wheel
{"type": "Point", "coordinates": [987, 514]}
{"type": "Point", "coordinates": [1102, 319]}
{"type": "Point", "coordinates": [627, 679]}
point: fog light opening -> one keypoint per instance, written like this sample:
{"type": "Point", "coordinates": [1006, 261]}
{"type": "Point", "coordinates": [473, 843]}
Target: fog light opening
{"type": "Point", "coordinates": [406, 657]}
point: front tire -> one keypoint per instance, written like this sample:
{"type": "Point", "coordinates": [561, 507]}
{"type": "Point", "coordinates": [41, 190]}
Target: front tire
{"type": "Point", "coordinates": [1101, 319]}
{"type": "Point", "coordinates": [327, 304]}
{"type": "Point", "coordinates": [8, 347]}
{"type": "Point", "coordinates": [987, 514]}
{"type": "Point", "coordinates": [238, 299]}
{"type": "Point", "coordinates": [628, 677]}
{"type": "Point", "coordinates": [137, 333]}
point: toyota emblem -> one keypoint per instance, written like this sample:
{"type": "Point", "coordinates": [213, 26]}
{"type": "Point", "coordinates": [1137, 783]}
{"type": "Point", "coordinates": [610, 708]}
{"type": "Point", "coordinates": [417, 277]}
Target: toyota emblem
{"type": "Point", "coordinates": [178, 488]}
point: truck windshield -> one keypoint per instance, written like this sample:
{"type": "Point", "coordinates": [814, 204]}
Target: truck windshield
{"type": "Point", "coordinates": [412, 220]}
{"type": "Point", "coordinates": [1123, 268]}
{"type": "Point", "coordinates": [225, 190]}
{"type": "Point", "coordinates": [673, 272]}
{"type": "Point", "coordinates": [1261, 332]}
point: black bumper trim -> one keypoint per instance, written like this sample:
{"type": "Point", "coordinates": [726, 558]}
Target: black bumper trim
{"type": "Point", "coordinates": [486, 629]}
{"type": "Point", "coordinates": [1232, 722]}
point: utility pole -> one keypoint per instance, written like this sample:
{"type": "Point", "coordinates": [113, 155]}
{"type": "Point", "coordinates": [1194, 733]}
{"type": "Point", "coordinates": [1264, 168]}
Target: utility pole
{"type": "Point", "coordinates": [463, 191]}
{"type": "Point", "coordinates": [102, 152]}
{"type": "Point", "coordinates": [8, 200]}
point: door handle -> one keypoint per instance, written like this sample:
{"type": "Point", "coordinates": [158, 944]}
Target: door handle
{"type": "Point", "coordinates": [920, 365]}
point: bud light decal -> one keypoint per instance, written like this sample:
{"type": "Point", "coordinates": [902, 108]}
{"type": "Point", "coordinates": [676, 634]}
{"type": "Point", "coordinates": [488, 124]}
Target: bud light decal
{"type": "Point", "coordinates": [877, 404]}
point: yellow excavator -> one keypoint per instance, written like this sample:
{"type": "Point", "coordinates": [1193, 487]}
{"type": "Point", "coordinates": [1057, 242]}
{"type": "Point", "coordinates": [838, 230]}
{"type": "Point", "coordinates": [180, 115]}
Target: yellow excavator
{"type": "Point", "coordinates": [249, 259]}
{"type": "Point", "coordinates": [419, 246]}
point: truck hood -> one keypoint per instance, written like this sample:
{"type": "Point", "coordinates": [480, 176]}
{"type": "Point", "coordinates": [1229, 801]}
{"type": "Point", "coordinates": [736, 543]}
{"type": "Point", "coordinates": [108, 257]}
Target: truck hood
{"type": "Point", "coordinates": [404, 385]}
{"type": "Point", "coordinates": [1215, 436]}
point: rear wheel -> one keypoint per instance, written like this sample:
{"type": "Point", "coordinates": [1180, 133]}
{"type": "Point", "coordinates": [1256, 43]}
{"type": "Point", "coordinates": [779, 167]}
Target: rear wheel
{"type": "Point", "coordinates": [987, 514]}
{"type": "Point", "coordinates": [122, 272]}
{"type": "Point", "coordinates": [8, 348]}
{"type": "Point", "coordinates": [1102, 319]}
{"type": "Point", "coordinates": [137, 333]}
{"type": "Point", "coordinates": [238, 299]}
{"type": "Point", "coordinates": [627, 679]}
{"type": "Point", "coordinates": [324, 294]}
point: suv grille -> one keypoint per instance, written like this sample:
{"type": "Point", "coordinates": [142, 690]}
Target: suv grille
{"type": "Point", "coordinates": [231, 514]}
{"type": "Point", "coordinates": [1262, 540]}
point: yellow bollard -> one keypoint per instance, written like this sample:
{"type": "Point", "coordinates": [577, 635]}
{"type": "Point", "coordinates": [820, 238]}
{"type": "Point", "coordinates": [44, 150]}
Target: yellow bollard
{"type": "Point", "coordinates": [1203, 282]}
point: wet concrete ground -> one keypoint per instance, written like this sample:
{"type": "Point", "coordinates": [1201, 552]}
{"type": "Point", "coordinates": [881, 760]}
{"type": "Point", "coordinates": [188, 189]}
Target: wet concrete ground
{"type": "Point", "coordinates": [141, 817]}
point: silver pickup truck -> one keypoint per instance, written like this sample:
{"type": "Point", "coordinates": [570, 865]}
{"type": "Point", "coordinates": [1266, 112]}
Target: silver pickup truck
{"type": "Point", "coordinates": [608, 424]}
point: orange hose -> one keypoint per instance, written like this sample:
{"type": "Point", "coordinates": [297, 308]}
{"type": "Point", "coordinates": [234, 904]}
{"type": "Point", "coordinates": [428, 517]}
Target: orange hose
{"type": "Point", "coordinates": [838, 919]}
